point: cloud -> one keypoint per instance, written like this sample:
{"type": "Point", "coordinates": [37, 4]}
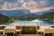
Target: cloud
{"type": "Point", "coordinates": [11, 1]}
{"type": "Point", "coordinates": [44, 3]}
{"type": "Point", "coordinates": [27, 4]}
{"type": "Point", "coordinates": [32, 3]}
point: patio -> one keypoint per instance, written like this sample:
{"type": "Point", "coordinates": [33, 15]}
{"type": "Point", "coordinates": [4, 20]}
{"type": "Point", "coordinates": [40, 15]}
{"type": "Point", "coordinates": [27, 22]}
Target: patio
{"type": "Point", "coordinates": [24, 31]}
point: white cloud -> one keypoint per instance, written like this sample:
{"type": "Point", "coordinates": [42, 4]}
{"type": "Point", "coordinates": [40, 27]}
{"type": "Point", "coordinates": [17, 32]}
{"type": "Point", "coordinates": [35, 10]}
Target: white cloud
{"type": "Point", "coordinates": [27, 4]}
{"type": "Point", "coordinates": [24, 4]}
{"type": "Point", "coordinates": [30, 3]}
{"type": "Point", "coordinates": [22, 1]}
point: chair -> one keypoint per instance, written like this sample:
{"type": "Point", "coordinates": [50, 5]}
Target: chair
{"type": "Point", "coordinates": [48, 31]}
{"type": "Point", "coordinates": [1, 31]}
{"type": "Point", "coordinates": [18, 30]}
{"type": "Point", "coordinates": [45, 29]}
{"type": "Point", "coordinates": [9, 29]}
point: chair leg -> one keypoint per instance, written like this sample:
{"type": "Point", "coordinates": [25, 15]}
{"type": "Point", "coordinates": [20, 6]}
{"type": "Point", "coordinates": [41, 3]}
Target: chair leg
{"type": "Point", "coordinates": [20, 33]}
{"type": "Point", "coordinates": [3, 34]}
{"type": "Point", "coordinates": [43, 34]}
{"type": "Point", "coordinates": [50, 34]}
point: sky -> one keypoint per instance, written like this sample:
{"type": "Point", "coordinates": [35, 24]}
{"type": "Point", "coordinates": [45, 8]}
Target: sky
{"type": "Point", "coordinates": [32, 5]}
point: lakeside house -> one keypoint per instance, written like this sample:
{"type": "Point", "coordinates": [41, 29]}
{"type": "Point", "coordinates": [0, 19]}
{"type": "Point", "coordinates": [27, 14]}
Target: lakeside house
{"type": "Point", "coordinates": [26, 30]}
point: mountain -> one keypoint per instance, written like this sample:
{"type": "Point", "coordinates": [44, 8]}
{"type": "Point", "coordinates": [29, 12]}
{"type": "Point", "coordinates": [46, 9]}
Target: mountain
{"type": "Point", "coordinates": [4, 19]}
{"type": "Point", "coordinates": [42, 12]}
{"type": "Point", "coordinates": [17, 13]}
{"type": "Point", "coordinates": [29, 15]}
{"type": "Point", "coordinates": [47, 16]}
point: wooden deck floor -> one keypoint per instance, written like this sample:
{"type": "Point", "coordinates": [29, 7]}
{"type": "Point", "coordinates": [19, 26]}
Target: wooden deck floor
{"type": "Point", "coordinates": [30, 35]}
{"type": "Point", "coordinates": [26, 35]}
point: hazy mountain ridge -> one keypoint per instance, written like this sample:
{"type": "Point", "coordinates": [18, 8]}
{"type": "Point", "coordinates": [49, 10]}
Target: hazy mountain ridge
{"type": "Point", "coordinates": [23, 13]}
{"type": "Point", "coordinates": [42, 12]}
{"type": "Point", "coordinates": [14, 12]}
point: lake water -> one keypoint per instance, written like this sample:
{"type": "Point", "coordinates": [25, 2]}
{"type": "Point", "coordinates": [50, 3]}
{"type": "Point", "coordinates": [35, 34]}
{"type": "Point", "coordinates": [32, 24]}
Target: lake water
{"type": "Point", "coordinates": [33, 22]}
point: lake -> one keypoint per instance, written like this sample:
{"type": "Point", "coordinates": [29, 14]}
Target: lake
{"type": "Point", "coordinates": [31, 22]}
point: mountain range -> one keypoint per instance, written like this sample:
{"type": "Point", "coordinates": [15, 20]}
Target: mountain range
{"type": "Point", "coordinates": [23, 13]}
{"type": "Point", "coordinates": [14, 12]}
{"type": "Point", "coordinates": [42, 12]}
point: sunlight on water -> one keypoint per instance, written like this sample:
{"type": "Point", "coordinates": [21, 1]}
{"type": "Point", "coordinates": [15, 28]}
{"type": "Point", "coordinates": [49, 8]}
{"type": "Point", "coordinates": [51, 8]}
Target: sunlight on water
{"type": "Point", "coordinates": [36, 20]}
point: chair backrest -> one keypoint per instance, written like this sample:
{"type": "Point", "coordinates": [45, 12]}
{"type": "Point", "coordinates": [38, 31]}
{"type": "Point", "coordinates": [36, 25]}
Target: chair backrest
{"type": "Point", "coordinates": [49, 30]}
{"type": "Point", "coordinates": [19, 27]}
{"type": "Point", "coordinates": [2, 27]}
{"type": "Point", "coordinates": [44, 27]}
